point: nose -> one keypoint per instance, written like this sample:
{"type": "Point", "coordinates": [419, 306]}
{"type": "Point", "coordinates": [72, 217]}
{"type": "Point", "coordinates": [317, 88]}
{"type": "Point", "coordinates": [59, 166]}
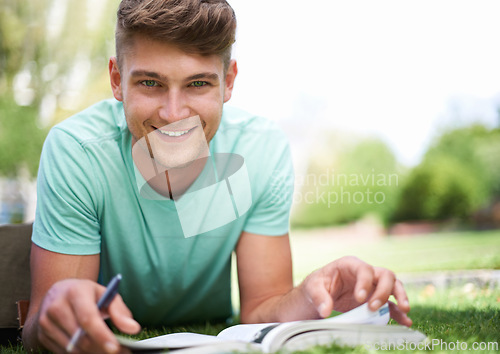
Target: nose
{"type": "Point", "coordinates": [174, 107]}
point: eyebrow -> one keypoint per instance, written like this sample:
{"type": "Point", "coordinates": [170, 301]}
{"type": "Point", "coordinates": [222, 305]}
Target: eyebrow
{"type": "Point", "coordinates": [148, 73]}
{"type": "Point", "coordinates": [206, 75]}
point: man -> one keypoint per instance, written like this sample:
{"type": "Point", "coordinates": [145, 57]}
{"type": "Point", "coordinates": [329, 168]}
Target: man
{"type": "Point", "coordinates": [115, 195]}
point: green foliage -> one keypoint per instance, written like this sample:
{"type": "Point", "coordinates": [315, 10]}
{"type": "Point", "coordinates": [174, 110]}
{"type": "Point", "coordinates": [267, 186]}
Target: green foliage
{"type": "Point", "coordinates": [457, 176]}
{"type": "Point", "coordinates": [52, 42]}
{"type": "Point", "coordinates": [363, 179]}
{"type": "Point", "coordinates": [440, 188]}
{"type": "Point", "coordinates": [21, 139]}
{"type": "Point", "coordinates": [50, 54]}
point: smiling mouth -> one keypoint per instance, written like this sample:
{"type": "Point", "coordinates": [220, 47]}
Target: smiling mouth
{"type": "Point", "coordinates": [174, 133]}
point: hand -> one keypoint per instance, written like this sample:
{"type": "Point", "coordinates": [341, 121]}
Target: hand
{"type": "Point", "coordinates": [70, 304]}
{"type": "Point", "coordinates": [348, 282]}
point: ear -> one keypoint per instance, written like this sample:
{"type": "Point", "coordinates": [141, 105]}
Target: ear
{"type": "Point", "coordinates": [115, 79]}
{"type": "Point", "coordinates": [232, 71]}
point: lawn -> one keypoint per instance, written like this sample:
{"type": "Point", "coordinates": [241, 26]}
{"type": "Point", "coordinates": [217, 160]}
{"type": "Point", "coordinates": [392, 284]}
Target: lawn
{"type": "Point", "coordinates": [463, 316]}
{"type": "Point", "coordinates": [402, 254]}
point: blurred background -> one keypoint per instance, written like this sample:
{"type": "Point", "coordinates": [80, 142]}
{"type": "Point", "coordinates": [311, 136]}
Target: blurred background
{"type": "Point", "coordinates": [392, 108]}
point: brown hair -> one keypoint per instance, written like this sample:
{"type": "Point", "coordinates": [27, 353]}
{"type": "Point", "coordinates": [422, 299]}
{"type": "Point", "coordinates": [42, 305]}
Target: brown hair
{"type": "Point", "coordinates": [197, 26]}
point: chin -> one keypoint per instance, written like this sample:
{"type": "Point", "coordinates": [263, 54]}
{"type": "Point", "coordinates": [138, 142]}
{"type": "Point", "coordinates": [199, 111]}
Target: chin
{"type": "Point", "coordinates": [179, 160]}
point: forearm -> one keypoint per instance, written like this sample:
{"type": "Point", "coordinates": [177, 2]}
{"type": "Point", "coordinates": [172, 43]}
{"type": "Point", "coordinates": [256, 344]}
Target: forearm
{"type": "Point", "coordinates": [291, 306]}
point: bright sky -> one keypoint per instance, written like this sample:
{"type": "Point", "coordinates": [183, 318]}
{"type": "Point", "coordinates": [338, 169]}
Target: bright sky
{"type": "Point", "coordinates": [390, 67]}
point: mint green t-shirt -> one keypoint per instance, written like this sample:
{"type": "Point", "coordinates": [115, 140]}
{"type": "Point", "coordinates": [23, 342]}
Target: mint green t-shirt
{"type": "Point", "coordinates": [89, 203]}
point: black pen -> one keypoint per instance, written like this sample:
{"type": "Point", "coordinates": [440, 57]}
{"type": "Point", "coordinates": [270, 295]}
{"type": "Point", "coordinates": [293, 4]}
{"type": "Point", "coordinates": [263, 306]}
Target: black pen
{"type": "Point", "coordinates": [103, 303]}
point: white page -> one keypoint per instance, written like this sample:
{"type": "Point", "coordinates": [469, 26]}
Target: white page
{"type": "Point", "coordinates": [363, 315]}
{"type": "Point", "coordinates": [243, 332]}
{"type": "Point", "coordinates": [181, 340]}
{"type": "Point", "coordinates": [358, 315]}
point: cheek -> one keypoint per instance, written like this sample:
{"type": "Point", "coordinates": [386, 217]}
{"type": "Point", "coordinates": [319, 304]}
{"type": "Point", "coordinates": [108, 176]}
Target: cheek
{"type": "Point", "coordinates": [138, 109]}
{"type": "Point", "coordinates": [210, 108]}
{"type": "Point", "coordinates": [212, 124]}
{"type": "Point", "coordinates": [136, 116]}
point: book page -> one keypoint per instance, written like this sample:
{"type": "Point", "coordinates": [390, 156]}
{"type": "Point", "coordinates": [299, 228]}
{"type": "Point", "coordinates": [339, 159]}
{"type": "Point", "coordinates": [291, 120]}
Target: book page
{"type": "Point", "coordinates": [245, 332]}
{"type": "Point", "coordinates": [180, 340]}
{"type": "Point", "coordinates": [257, 332]}
{"type": "Point", "coordinates": [360, 315]}
{"type": "Point", "coordinates": [358, 326]}
{"type": "Point", "coordinates": [198, 344]}
{"type": "Point", "coordinates": [363, 315]}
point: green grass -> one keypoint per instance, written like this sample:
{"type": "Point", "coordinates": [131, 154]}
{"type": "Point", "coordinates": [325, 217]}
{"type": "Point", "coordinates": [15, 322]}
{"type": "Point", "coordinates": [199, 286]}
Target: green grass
{"type": "Point", "coordinates": [433, 252]}
{"type": "Point", "coordinates": [466, 314]}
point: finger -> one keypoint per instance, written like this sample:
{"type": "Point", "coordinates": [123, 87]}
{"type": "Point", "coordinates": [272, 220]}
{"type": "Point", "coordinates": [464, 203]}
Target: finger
{"type": "Point", "coordinates": [50, 335]}
{"type": "Point", "coordinates": [398, 315]}
{"type": "Point", "coordinates": [364, 281]}
{"type": "Point", "coordinates": [401, 297]}
{"type": "Point", "coordinates": [121, 316]}
{"type": "Point", "coordinates": [61, 315]}
{"type": "Point", "coordinates": [385, 280]}
{"type": "Point", "coordinates": [124, 350]}
{"type": "Point", "coordinates": [316, 291]}
{"type": "Point", "coordinates": [87, 345]}
{"type": "Point", "coordinates": [90, 320]}
{"type": "Point", "coordinates": [50, 344]}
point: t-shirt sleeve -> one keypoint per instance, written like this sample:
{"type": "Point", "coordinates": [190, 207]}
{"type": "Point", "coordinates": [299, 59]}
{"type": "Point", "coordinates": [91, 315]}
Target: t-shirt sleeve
{"type": "Point", "coordinates": [270, 213]}
{"type": "Point", "coordinates": [66, 218]}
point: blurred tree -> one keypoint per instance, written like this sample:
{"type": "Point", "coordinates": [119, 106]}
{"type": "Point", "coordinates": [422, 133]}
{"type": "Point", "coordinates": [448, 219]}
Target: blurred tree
{"type": "Point", "coordinates": [438, 189]}
{"type": "Point", "coordinates": [52, 58]}
{"type": "Point", "coordinates": [20, 138]}
{"type": "Point", "coordinates": [458, 175]}
{"type": "Point", "coordinates": [359, 177]}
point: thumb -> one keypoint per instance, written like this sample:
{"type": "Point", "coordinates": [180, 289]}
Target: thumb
{"type": "Point", "coordinates": [122, 317]}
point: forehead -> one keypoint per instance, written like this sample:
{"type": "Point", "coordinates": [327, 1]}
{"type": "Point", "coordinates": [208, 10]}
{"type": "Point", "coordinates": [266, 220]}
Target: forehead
{"type": "Point", "coordinates": [151, 53]}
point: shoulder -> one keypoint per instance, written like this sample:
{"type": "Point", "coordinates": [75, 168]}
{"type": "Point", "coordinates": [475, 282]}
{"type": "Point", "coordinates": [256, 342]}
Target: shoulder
{"type": "Point", "coordinates": [237, 119]}
{"type": "Point", "coordinates": [247, 132]}
{"type": "Point", "coordinates": [260, 141]}
{"type": "Point", "coordinates": [101, 121]}
{"type": "Point", "coordinates": [85, 145]}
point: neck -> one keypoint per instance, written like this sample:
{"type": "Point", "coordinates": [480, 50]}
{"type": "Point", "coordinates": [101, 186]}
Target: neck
{"type": "Point", "coordinates": [169, 182]}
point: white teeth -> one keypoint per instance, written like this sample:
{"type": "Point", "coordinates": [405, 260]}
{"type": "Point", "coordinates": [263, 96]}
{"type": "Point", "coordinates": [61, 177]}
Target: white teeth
{"type": "Point", "coordinates": [178, 133]}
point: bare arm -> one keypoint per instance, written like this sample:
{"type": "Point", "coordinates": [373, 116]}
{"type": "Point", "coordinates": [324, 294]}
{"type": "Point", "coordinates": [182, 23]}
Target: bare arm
{"type": "Point", "coordinates": [266, 282]}
{"type": "Point", "coordinates": [63, 297]}
{"type": "Point", "coordinates": [267, 293]}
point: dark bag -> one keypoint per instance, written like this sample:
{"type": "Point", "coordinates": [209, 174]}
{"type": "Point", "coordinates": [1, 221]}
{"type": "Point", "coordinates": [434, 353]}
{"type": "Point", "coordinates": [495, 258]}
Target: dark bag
{"type": "Point", "coordinates": [15, 247]}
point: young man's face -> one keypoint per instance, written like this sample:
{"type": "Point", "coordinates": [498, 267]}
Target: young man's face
{"type": "Point", "coordinates": [171, 98]}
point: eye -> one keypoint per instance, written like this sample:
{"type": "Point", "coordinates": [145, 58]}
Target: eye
{"type": "Point", "coordinates": [198, 83]}
{"type": "Point", "coordinates": [149, 83]}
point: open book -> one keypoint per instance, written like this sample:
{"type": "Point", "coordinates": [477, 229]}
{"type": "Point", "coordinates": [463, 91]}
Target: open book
{"type": "Point", "coordinates": [359, 326]}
